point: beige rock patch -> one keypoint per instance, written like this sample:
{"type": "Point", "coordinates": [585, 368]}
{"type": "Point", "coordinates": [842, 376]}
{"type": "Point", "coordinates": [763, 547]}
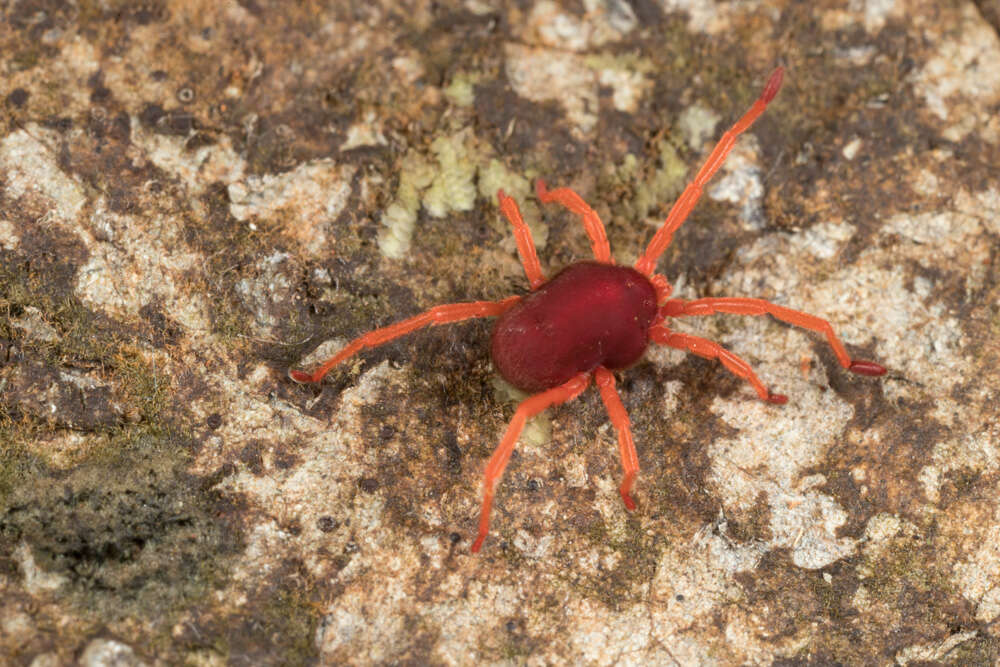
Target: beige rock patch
{"type": "Point", "coordinates": [544, 75]}
{"type": "Point", "coordinates": [307, 201]}
{"type": "Point", "coordinates": [30, 166]}
{"type": "Point", "coordinates": [962, 81]}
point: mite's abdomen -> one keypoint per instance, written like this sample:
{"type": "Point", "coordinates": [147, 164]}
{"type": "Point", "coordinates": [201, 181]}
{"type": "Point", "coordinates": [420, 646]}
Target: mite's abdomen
{"type": "Point", "coordinates": [588, 315]}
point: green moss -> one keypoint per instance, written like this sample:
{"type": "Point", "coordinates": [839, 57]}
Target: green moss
{"type": "Point", "coordinates": [626, 62]}
{"type": "Point", "coordinates": [75, 337]}
{"type": "Point", "coordinates": [231, 321]}
{"type": "Point", "coordinates": [131, 533]}
{"type": "Point", "coordinates": [26, 59]}
{"type": "Point", "coordinates": [597, 533]}
{"type": "Point", "coordinates": [995, 323]}
{"type": "Point", "coordinates": [461, 90]}
{"type": "Point", "coordinates": [17, 462]}
{"type": "Point", "coordinates": [904, 561]}
{"type": "Point", "coordinates": [453, 187]}
{"type": "Point", "coordinates": [141, 385]}
{"type": "Point", "coordinates": [291, 619]}
{"type": "Point", "coordinates": [638, 557]}
{"type": "Point", "coordinates": [834, 602]}
{"type": "Point", "coordinates": [515, 649]}
{"type": "Point", "coordinates": [979, 650]}
{"type": "Point", "coordinates": [80, 334]}
{"type": "Point", "coordinates": [902, 566]}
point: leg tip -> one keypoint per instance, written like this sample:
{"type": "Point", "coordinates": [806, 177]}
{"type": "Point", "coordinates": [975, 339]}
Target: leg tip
{"type": "Point", "coordinates": [501, 196]}
{"type": "Point", "coordinates": [629, 503]}
{"type": "Point", "coordinates": [541, 191]}
{"type": "Point", "coordinates": [773, 85]}
{"type": "Point", "coordinates": [478, 544]}
{"type": "Point", "coordinates": [300, 376]}
{"type": "Point", "coordinates": [862, 367]}
{"type": "Point", "coordinates": [777, 399]}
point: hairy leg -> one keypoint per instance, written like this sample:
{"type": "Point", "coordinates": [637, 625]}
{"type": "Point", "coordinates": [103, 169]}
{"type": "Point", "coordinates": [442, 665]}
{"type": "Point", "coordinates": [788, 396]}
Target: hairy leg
{"type": "Point", "coordinates": [452, 312]}
{"type": "Point", "coordinates": [591, 221]}
{"type": "Point", "coordinates": [710, 350]}
{"type": "Point", "coordinates": [619, 419]}
{"type": "Point", "coordinates": [743, 306]}
{"type": "Point", "coordinates": [682, 207]}
{"type": "Point", "coordinates": [529, 407]}
{"type": "Point", "coordinates": [522, 236]}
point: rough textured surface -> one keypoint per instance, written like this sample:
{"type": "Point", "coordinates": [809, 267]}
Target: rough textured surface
{"type": "Point", "coordinates": [195, 196]}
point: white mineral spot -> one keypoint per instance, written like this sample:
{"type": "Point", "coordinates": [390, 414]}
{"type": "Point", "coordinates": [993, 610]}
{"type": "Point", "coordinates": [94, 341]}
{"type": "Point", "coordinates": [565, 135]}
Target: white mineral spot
{"type": "Point", "coordinates": [602, 22]}
{"type": "Point", "coordinates": [627, 87]}
{"type": "Point", "coordinates": [139, 267]}
{"type": "Point", "coordinates": [366, 133]}
{"type": "Point", "coordinates": [697, 125]}
{"type": "Point", "coordinates": [9, 238]}
{"type": "Point", "coordinates": [822, 240]}
{"type": "Point", "coordinates": [741, 182]}
{"type": "Point", "coordinates": [851, 149]}
{"type": "Point", "coordinates": [711, 18]}
{"type": "Point", "coordinates": [36, 580]}
{"type": "Point", "coordinates": [109, 653]}
{"type": "Point", "coordinates": [876, 12]}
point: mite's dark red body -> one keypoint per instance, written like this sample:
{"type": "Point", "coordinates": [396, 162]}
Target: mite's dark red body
{"type": "Point", "coordinates": [595, 317]}
{"type": "Point", "coordinates": [588, 315]}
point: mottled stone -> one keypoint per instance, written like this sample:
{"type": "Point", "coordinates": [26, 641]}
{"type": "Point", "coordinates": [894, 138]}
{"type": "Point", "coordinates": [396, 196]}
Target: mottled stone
{"type": "Point", "coordinates": [196, 196]}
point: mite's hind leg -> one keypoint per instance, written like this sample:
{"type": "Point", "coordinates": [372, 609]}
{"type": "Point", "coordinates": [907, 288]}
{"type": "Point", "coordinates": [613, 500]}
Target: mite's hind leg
{"type": "Point", "coordinates": [529, 407]}
{"type": "Point", "coordinates": [743, 306]}
{"type": "Point", "coordinates": [619, 419]}
{"type": "Point", "coordinates": [709, 350]}
{"type": "Point", "coordinates": [452, 312]}
{"type": "Point", "coordinates": [588, 216]}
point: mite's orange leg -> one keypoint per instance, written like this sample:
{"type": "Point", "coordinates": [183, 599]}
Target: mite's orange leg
{"type": "Point", "coordinates": [709, 350]}
{"type": "Point", "coordinates": [682, 207]}
{"type": "Point", "coordinates": [522, 236]}
{"type": "Point", "coordinates": [619, 418]}
{"type": "Point", "coordinates": [452, 312]}
{"type": "Point", "coordinates": [740, 306]}
{"type": "Point", "coordinates": [591, 222]}
{"type": "Point", "coordinates": [528, 408]}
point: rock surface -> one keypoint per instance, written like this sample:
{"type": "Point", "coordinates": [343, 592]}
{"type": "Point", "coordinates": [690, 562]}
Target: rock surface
{"type": "Point", "coordinates": [196, 196]}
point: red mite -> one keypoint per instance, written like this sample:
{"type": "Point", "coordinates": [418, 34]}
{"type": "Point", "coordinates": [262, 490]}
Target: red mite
{"type": "Point", "coordinates": [594, 317]}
